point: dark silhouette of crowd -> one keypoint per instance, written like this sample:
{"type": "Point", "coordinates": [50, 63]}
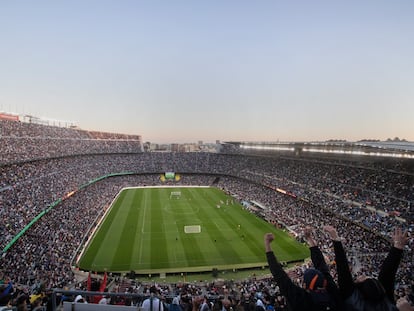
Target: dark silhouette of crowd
{"type": "Point", "coordinates": [364, 200]}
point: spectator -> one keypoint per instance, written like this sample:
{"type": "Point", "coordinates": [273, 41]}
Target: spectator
{"type": "Point", "coordinates": [312, 277]}
{"type": "Point", "coordinates": [6, 291]}
{"type": "Point", "coordinates": [37, 305]}
{"type": "Point", "coordinates": [175, 305]}
{"type": "Point", "coordinates": [369, 293]}
{"type": "Point", "coordinates": [205, 306]}
{"type": "Point", "coordinates": [105, 300]}
{"type": "Point", "coordinates": [313, 297]}
{"type": "Point", "coordinates": [153, 303]}
{"type": "Point", "coordinates": [80, 299]}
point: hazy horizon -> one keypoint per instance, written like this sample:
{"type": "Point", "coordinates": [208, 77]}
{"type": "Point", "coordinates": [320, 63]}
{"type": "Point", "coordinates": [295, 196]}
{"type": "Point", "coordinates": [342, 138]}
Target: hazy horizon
{"type": "Point", "coordinates": [185, 71]}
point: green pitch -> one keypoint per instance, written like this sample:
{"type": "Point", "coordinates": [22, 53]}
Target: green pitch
{"type": "Point", "coordinates": [148, 231]}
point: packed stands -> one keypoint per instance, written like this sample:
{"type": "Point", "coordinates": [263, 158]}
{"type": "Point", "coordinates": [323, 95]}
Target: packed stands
{"type": "Point", "coordinates": [21, 141]}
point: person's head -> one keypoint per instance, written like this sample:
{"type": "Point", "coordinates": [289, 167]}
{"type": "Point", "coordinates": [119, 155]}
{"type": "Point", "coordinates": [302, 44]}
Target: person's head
{"type": "Point", "coordinates": [314, 279]}
{"type": "Point", "coordinates": [226, 303]}
{"type": "Point", "coordinates": [79, 299]}
{"type": "Point", "coordinates": [371, 289]}
{"type": "Point", "coordinates": [176, 300]}
{"type": "Point", "coordinates": [260, 305]}
{"type": "Point", "coordinates": [22, 302]}
{"type": "Point", "coordinates": [153, 290]}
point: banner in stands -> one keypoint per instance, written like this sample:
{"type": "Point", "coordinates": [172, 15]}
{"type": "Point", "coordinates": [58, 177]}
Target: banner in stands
{"type": "Point", "coordinates": [5, 116]}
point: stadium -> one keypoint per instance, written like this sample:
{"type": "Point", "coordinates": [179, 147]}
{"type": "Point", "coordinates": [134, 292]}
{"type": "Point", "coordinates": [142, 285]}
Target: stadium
{"type": "Point", "coordinates": [60, 188]}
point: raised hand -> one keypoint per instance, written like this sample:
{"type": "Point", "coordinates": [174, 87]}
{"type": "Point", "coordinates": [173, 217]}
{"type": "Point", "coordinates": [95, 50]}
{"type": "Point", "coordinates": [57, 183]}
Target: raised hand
{"type": "Point", "coordinates": [399, 238]}
{"type": "Point", "coordinates": [268, 238]}
{"type": "Point", "coordinates": [404, 305]}
{"type": "Point", "coordinates": [333, 234]}
{"type": "Point", "coordinates": [307, 233]}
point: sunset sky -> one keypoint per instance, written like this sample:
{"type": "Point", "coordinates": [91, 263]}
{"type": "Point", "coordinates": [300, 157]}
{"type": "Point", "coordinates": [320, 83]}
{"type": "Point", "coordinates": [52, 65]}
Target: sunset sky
{"type": "Point", "coordinates": [183, 71]}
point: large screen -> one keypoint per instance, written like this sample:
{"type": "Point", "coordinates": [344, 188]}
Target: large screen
{"type": "Point", "coordinates": [169, 175]}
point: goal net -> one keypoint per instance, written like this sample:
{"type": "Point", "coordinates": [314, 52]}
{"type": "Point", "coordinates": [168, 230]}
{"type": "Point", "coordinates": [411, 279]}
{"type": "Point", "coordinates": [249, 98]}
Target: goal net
{"type": "Point", "coordinates": [175, 194]}
{"type": "Point", "coordinates": [192, 229]}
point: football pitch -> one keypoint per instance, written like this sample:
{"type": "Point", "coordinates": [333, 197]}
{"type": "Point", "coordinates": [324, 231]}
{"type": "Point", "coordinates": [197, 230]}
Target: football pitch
{"type": "Point", "coordinates": [186, 229]}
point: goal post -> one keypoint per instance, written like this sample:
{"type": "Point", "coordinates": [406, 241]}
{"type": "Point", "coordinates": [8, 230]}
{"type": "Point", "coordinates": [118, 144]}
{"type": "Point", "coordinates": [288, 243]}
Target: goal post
{"type": "Point", "coordinates": [175, 194]}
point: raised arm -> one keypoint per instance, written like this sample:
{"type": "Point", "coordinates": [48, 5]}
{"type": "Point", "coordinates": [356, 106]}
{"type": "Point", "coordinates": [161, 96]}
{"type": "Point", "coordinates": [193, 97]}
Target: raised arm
{"type": "Point", "coordinates": [345, 282]}
{"type": "Point", "coordinates": [294, 294]}
{"type": "Point", "coordinates": [316, 255]}
{"type": "Point", "coordinates": [319, 263]}
{"type": "Point", "coordinates": [390, 265]}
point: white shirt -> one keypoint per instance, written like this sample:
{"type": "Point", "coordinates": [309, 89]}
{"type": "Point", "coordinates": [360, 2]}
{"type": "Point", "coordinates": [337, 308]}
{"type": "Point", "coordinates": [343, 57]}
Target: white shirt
{"type": "Point", "coordinates": [156, 304]}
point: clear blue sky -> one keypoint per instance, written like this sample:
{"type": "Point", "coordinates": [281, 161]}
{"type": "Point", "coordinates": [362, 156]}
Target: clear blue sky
{"type": "Point", "coordinates": [183, 71]}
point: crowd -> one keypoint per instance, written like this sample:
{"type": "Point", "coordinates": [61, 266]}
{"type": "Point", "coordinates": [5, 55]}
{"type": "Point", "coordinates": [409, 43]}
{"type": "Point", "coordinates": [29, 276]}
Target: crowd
{"type": "Point", "coordinates": [51, 244]}
{"type": "Point", "coordinates": [28, 188]}
{"type": "Point", "coordinates": [27, 141]}
{"type": "Point", "coordinates": [341, 194]}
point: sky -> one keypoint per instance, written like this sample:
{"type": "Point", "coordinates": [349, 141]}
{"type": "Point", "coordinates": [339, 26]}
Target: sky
{"type": "Point", "coordinates": [185, 71]}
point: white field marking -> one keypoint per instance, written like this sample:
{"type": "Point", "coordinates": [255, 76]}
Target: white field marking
{"type": "Point", "coordinates": [98, 224]}
{"type": "Point", "coordinates": [192, 229]}
{"type": "Point", "coordinates": [142, 230]}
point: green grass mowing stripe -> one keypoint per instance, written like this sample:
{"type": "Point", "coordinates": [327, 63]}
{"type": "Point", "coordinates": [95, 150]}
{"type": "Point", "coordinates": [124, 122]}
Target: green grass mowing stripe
{"type": "Point", "coordinates": [117, 237]}
{"type": "Point", "coordinates": [235, 234]}
{"type": "Point", "coordinates": [219, 232]}
{"type": "Point", "coordinates": [175, 247]}
{"type": "Point", "coordinates": [252, 230]}
{"type": "Point", "coordinates": [96, 254]}
{"type": "Point", "coordinates": [190, 217]}
{"type": "Point", "coordinates": [143, 243]}
{"type": "Point", "coordinates": [221, 244]}
{"type": "Point", "coordinates": [227, 217]}
{"type": "Point", "coordinates": [211, 233]}
{"type": "Point", "coordinates": [174, 233]}
{"type": "Point", "coordinates": [127, 227]}
{"type": "Point", "coordinates": [230, 216]}
{"type": "Point", "coordinates": [158, 253]}
{"type": "Point", "coordinates": [136, 255]}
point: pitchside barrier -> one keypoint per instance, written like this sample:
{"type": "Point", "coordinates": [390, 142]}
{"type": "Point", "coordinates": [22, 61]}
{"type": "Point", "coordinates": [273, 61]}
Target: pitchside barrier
{"type": "Point", "coordinates": [72, 306]}
{"type": "Point", "coordinates": [75, 306]}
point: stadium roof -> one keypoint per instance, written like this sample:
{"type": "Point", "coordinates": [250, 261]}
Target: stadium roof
{"type": "Point", "coordinates": [399, 149]}
{"type": "Point", "coordinates": [391, 145]}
